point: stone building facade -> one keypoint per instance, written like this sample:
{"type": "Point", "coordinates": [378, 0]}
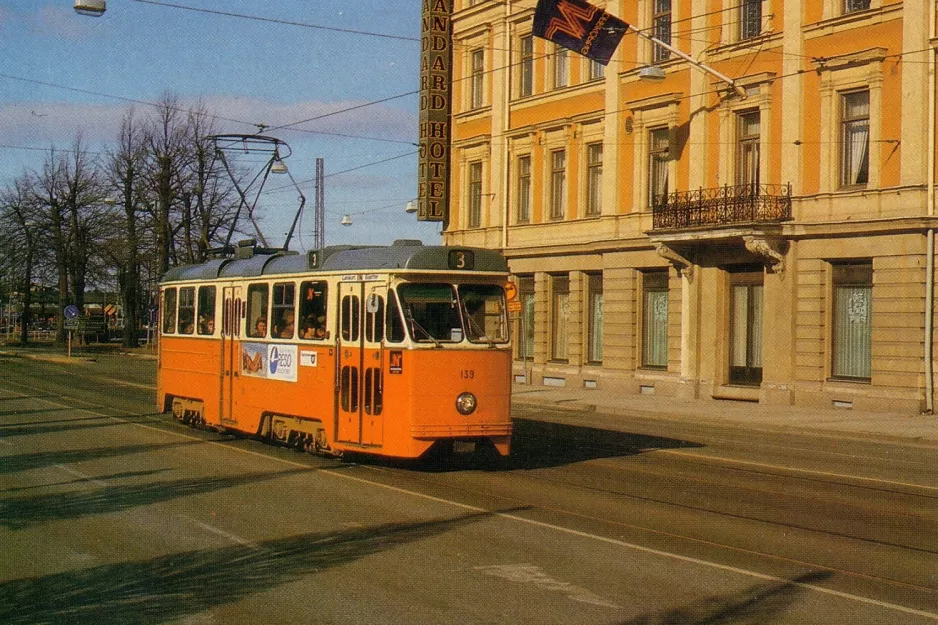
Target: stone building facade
{"type": "Point", "coordinates": [768, 240]}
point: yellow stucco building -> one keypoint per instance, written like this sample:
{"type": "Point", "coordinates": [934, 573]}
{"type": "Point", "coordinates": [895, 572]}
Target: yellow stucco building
{"type": "Point", "coordinates": [770, 240]}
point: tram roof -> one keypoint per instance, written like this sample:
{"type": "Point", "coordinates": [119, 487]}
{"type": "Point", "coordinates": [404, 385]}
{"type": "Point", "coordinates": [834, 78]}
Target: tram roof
{"type": "Point", "coordinates": [404, 255]}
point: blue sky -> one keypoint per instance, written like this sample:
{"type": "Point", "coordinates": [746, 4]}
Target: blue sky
{"type": "Point", "coordinates": [258, 72]}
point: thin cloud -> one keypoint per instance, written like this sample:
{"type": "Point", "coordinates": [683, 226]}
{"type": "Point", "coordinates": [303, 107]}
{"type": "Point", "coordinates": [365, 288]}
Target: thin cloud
{"type": "Point", "coordinates": [33, 123]}
{"type": "Point", "coordinates": [61, 21]}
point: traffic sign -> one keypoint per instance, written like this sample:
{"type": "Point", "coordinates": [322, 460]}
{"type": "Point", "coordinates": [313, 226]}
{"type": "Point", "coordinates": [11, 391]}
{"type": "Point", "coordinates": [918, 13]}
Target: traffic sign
{"type": "Point", "coordinates": [71, 311]}
{"type": "Point", "coordinates": [511, 291]}
{"type": "Point", "coordinates": [514, 306]}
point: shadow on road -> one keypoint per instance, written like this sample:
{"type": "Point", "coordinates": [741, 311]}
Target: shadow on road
{"type": "Point", "coordinates": [758, 604]}
{"type": "Point", "coordinates": [25, 462]}
{"type": "Point", "coordinates": [170, 587]}
{"type": "Point", "coordinates": [86, 480]}
{"type": "Point", "coordinates": [20, 413]}
{"type": "Point", "coordinates": [540, 444]}
{"type": "Point", "coordinates": [19, 513]}
{"type": "Point", "coordinates": [7, 431]}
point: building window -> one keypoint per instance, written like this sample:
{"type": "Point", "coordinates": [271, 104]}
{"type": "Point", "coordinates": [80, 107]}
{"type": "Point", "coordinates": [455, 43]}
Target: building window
{"type": "Point", "coordinates": [750, 19]}
{"type": "Point", "coordinates": [655, 319]}
{"type": "Point", "coordinates": [746, 319]}
{"type": "Point", "coordinates": [526, 294]}
{"type": "Point", "coordinates": [524, 189]}
{"type": "Point", "coordinates": [661, 29]}
{"type": "Point", "coordinates": [852, 321]}
{"type": "Point", "coordinates": [527, 66]}
{"type": "Point", "coordinates": [475, 194]}
{"type": "Point", "coordinates": [595, 311]}
{"type": "Point", "coordinates": [594, 178]}
{"type": "Point", "coordinates": [559, 315]}
{"type": "Point", "coordinates": [561, 60]}
{"type": "Point", "coordinates": [851, 6]}
{"type": "Point", "coordinates": [558, 183]}
{"type": "Point", "coordinates": [855, 135]}
{"type": "Point", "coordinates": [596, 70]}
{"type": "Point", "coordinates": [747, 149]}
{"type": "Point", "coordinates": [659, 140]}
{"type": "Point", "coordinates": [478, 78]}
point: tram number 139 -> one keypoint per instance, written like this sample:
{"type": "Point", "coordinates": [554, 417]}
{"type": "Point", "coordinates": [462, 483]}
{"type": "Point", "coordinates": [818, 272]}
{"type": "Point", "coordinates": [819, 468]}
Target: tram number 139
{"type": "Point", "coordinates": [467, 374]}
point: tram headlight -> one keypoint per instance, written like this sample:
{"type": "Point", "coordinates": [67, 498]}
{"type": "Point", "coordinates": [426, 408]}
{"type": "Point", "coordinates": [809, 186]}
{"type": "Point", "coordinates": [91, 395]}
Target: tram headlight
{"type": "Point", "coordinates": [466, 403]}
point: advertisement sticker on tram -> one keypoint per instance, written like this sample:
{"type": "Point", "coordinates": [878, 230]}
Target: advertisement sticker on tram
{"type": "Point", "coordinates": [282, 361]}
{"type": "Point", "coordinates": [396, 362]}
{"type": "Point", "coordinates": [254, 359]}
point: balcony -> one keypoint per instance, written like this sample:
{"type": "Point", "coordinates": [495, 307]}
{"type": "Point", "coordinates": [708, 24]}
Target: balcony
{"type": "Point", "coordinates": [722, 206]}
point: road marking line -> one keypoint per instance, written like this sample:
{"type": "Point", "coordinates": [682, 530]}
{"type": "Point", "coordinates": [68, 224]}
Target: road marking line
{"type": "Point", "coordinates": [79, 474]}
{"type": "Point", "coordinates": [763, 465]}
{"type": "Point", "coordinates": [219, 532]}
{"type": "Point", "coordinates": [565, 530]}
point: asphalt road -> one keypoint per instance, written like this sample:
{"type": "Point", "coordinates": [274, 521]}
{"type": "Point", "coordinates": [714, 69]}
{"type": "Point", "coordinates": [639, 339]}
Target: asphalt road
{"type": "Point", "coordinates": [110, 513]}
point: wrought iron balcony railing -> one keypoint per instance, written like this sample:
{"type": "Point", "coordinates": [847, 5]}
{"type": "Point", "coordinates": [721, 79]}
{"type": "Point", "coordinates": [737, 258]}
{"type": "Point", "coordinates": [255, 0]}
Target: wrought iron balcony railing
{"type": "Point", "coordinates": [722, 206]}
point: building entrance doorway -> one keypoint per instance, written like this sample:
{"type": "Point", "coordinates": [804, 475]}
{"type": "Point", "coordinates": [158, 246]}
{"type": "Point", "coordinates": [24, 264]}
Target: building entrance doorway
{"type": "Point", "coordinates": [746, 327]}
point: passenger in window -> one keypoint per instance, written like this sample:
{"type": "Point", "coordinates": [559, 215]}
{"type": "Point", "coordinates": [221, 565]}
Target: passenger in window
{"type": "Point", "coordinates": [260, 327]}
{"type": "Point", "coordinates": [206, 325]}
{"type": "Point", "coordinates": [314, 327]}
{"type": "Point", "coordinates": [288, 325]}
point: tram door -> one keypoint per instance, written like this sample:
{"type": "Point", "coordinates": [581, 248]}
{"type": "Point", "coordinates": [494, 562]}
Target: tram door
{"type": "Point", "coordinates": [360, 401]}
{"type": "Point", "coordinates": [230, 365]}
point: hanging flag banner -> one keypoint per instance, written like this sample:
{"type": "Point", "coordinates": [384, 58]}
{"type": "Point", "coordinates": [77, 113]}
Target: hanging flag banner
{"type": "Point", "coordinates": [579, 26]}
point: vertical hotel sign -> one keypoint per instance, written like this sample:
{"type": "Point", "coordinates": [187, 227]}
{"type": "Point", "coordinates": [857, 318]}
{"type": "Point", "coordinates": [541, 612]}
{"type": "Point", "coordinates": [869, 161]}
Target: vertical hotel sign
{"type": "Point", "coordinates": [436, 74]}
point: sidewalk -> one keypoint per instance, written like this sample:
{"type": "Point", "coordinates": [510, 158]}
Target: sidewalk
{"type": "Point", "coordinates": [599, 408]}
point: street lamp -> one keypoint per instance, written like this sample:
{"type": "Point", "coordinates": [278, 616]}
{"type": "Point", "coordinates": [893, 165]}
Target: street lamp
{"type": "Point", "coordinates": [653, 72]}
{"type": "Point", "coordinates": [410, 208]}
{"type": "Point", "coordinates": [94, 8]}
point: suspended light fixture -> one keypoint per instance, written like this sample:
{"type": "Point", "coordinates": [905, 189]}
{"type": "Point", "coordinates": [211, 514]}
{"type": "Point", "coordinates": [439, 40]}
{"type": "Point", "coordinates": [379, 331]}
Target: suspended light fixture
{"type": "Point", "coordinates": [94, 8]}
{"type": "Point", "coordinates": [410, 208]}
{"type": "Point", "coordinates": [346, 220]}
{"type": "Point", "coordinates": [279, 167]}
{"type": "Point", "coordinates": [651, 72]}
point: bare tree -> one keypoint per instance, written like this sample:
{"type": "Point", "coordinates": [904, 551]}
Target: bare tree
{"type": "Point", "coordinates": [168, 156]}
{"type": "Point", "coordinates": [47, 188]}
{"type": "Point", "coordinates": [83, 194]}
{"type": "Point", "coordinates": [19, 239]}
{"type": "Point", "coordinates": [211, 204]}
{"type": "Point", "coordinates": [125, 173]}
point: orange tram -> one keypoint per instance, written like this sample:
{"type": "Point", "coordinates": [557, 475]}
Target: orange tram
{"type": "Point", "coordinates": [398, 351]}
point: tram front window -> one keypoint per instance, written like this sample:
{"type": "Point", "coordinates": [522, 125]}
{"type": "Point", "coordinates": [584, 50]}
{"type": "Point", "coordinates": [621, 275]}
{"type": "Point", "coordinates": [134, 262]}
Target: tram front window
{"type": "Point", "coordinates": [431, 312]}
{"type": "Point", "coordinates": [441, 313]}
{"type": "Point", "coordinates": [483, 307]}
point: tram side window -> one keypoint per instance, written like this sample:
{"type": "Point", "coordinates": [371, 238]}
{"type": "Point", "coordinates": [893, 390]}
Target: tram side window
{"type": "Point", "coordinates": [169, 311]}
{"type": "Point", "coordinates": [483, 307]}
{"type": "Point", "coordinates": [313, 308]}
{"type": "Point", "coordinates": [351, 311]}
{"type": "Point", "coordinates": [206, 310]}
{"type": "Point", "coordinates": [257, 310]}
{"type": "Point", "coordinates": [187, 310]}
{"type": "Point", "coordinates": [395, 325]}
{"type": "Point", "coordinates": [374, 318]}
{"type": "Point", "coordinates": [284, 310]}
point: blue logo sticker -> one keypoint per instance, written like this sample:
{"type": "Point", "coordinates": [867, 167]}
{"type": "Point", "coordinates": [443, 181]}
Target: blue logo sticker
{"type": "Point", "coordinates": [274, 360]}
